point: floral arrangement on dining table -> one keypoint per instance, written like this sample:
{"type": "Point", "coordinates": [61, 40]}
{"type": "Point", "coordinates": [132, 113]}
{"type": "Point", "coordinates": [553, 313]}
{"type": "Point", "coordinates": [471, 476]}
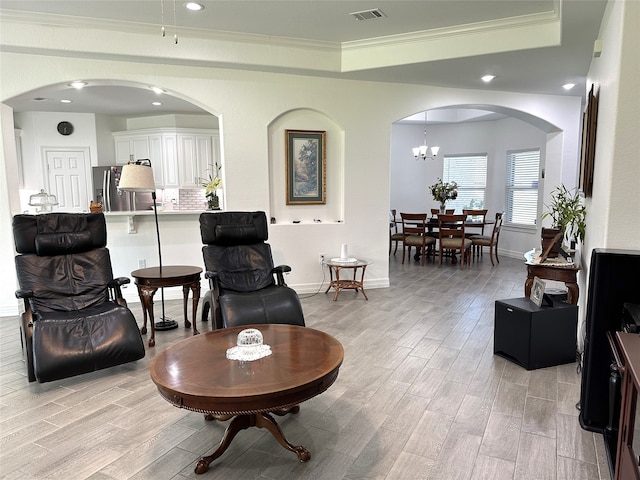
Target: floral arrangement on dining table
{"type": "Point", "coordinates": [443, 191]}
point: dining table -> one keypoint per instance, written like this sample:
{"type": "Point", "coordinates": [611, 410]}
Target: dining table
{"type": "Point", "coordinates": [432, 229]}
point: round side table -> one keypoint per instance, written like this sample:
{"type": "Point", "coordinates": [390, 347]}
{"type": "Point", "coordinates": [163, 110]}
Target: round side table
{"type": "Point", "coordinates": [338, 283]}
{"type": "Point", "coordinates": [150, 279]}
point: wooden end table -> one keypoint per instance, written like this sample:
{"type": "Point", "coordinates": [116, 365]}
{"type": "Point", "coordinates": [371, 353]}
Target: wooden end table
{"type": "Point", "coordinates": [150, 279]}
{"type": "Point", "coordinates": [196, 375]}
{"type": "Point", "coordinates": [346, 284]}
{"type": "Point", "coordinates": [568, 275]}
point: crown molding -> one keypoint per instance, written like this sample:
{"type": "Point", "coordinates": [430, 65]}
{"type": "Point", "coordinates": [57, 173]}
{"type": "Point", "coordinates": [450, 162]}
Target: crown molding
{"type": "Point", "coordinates": [70, 21]}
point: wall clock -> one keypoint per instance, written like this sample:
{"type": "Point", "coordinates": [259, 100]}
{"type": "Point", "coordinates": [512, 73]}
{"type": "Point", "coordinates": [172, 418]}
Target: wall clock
{"type": "Point", "coordinates": [65, 128]}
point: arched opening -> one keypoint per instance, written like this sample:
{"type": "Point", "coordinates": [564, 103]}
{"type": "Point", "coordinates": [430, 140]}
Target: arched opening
{"type": "Point", "coordinates": [473, 129]}
{"type": "Point", "coordinates": [100, 113]}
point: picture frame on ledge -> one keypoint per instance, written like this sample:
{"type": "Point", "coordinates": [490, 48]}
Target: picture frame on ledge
{"type": "Point", "coordinates": [537, 291]}
{"type": "Point", "coordinates": [306, 167]}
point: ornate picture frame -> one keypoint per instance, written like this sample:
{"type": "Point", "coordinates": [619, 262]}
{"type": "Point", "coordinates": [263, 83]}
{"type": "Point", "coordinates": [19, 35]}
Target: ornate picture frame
{"type": "Point", "coordinates": [306, 167]}
{"type": "Point", "coordinates": [587, 157]}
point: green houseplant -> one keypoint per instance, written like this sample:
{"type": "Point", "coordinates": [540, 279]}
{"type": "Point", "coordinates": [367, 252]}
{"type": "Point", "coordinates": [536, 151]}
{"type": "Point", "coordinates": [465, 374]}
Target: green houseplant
{"type": "Point", "coordinates": [567, 214]}
{"type": "Point", "coordinates": [211, 189]}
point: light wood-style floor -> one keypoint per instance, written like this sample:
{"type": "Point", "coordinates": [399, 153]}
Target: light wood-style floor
{"type": "Point", "coordinates": [420, 396]}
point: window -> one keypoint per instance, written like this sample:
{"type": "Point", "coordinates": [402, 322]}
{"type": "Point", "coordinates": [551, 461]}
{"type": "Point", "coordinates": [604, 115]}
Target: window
{"type": "Point", "coordinates": [470, 173]}
{"type": "Point", "coordinates": [522, 187]}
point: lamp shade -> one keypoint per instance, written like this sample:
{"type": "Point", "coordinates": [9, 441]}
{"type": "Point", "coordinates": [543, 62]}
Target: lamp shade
{"type": "Point", "coordinates": [137, 178]}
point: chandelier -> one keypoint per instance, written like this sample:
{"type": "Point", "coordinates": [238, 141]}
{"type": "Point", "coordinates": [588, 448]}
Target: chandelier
{"type": "Point", "coordinates": [423, 150]}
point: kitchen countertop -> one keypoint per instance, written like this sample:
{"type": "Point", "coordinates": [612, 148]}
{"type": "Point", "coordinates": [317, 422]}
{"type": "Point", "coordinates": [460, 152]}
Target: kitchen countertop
{"type": "Point", "coordinates": [150, 212]}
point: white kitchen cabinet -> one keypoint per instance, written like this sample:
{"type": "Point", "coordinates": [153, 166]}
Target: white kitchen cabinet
{"type": "Point", "coordinates": [170, 161]}
{"type": "Point", "coordinates": [127, 145]}
{"type": "Point", "coordinates": [198, 154]}
{"type": "Point", "coordinates": [156, 155]}
{"type": "Point", "coordinates": [180, 157]}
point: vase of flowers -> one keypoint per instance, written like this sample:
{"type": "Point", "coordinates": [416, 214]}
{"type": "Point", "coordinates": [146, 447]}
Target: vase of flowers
{"type": "Point", "coordinates": [211, 192]}
{"type": "Point", "coordinates": [442, 192]}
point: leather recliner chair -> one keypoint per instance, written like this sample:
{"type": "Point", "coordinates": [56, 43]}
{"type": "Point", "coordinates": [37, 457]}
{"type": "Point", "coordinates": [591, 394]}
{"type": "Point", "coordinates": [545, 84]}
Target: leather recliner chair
{"type": "Point", "coordinates": [246, 288]}
{"type": "Point", "coordinates": [75, 318]}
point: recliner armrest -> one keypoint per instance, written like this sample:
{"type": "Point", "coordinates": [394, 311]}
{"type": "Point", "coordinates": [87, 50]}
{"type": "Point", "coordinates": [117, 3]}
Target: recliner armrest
{"type": "Point", "coordinates": [121, 281]}
{"type": "Point", "coordinates": [211, 275]}
{"type": "Point", "coordinates": [279, 272]}
{"type": "Point", "coordinates": [116, 292]}
{"type": "Point", "coordinates": [24, 293]}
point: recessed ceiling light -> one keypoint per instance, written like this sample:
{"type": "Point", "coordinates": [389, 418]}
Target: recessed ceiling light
{"type": "Point", "coordinates": [568, 86]}
{"type": "Point", "coordinates": [78, 85]}
{"type": "Point", "coordinates": [488, 78]}
{"type": "Point", "coordinates": [157, 104]}
{"type": "Point", "coordinates": [193, 6]}
{"type": "Point", "coordinates": [64, 100]}
{"type": "Point", "coordinates": [157, 90]}
{"type": "Point", "coordinates": [40, 99]}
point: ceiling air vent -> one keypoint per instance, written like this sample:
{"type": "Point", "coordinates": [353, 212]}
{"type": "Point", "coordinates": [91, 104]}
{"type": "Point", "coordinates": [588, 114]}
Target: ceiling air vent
{"type": "Point", "coordinates": [368, 14]}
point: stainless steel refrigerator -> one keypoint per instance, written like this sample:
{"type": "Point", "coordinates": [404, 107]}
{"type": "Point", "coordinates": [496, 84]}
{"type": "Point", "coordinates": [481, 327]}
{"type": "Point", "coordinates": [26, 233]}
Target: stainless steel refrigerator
{"type": "Point", "coordinates": [105, 190]}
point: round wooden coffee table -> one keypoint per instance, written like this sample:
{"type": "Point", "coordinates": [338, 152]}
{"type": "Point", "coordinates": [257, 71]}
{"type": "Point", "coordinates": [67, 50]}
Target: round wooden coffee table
{"type": "Point", "coordinates": [195, 374]}
{"type": "Point", "coordinates": [150, 279]}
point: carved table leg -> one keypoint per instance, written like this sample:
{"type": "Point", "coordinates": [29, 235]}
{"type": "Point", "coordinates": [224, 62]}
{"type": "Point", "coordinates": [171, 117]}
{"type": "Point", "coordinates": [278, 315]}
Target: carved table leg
{"type": "Point", "coordinates": [195, 293]}
{"type": "Point", "coordinates": [143, 330]}
{"type": "Point", "coordinates": [147, 306]}
{"type": "Point", "coordinates": [264, 420]}
{"type": "Point", "coordinates": [242, 422]}
{"type": "Point", "coordinates": [185, 297]}
{"type": "Point", "coordinates": [572, 292]}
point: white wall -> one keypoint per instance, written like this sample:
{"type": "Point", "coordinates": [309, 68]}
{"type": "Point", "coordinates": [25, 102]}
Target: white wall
{"type": "Point", "coordinates": [247, 103]}
{"type": "Point", "coordinates": [612, 211]}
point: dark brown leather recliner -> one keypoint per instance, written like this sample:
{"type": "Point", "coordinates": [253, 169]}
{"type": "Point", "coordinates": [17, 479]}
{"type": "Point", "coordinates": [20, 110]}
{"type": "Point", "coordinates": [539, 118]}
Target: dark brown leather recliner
{"type": "Point", "coordinates": [246, 288]}
{"type": "Point", "coordinates": [75, 318]}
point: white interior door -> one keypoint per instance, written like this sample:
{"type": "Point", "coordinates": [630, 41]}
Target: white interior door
{"type": "Point", "coordinates": [68, 172]}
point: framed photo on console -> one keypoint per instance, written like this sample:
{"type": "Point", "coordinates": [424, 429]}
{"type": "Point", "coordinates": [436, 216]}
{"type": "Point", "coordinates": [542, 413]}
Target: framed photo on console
{"type": "Point", "coordinates": [537, 291]}
{"type": "Point", "coordinates": [306, 167]}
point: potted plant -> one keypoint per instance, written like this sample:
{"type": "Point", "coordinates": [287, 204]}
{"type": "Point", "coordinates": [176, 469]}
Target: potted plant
{"type": "Point", "coordinates": [442, 192]}
{"type": "Point", "coordinates": [211, 190]}
{"type": "Point", "coordinates": [567, 214]}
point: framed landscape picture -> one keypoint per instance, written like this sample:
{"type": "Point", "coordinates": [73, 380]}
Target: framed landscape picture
{"type": "Point", "coordinates": [306, 167]}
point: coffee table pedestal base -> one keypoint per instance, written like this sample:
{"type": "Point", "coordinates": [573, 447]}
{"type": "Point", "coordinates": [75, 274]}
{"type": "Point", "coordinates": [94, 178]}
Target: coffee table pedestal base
{"type": "Point", "coordinates": [242, 422]}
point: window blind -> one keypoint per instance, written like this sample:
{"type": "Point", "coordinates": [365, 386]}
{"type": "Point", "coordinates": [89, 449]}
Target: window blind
{"type": "Point", "coordinates": [470, 173]}
{"type": "Point", "coordinates": [521, 203]}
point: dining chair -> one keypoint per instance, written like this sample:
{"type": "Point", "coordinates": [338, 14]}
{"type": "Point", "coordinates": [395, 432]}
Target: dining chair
{"type": "Point", "coordinates": [492, 241]}
{"type": "Point", "coordinates": [414, 231]}
{"type": "Point", "coordinates": [451, 237]}
{"type": "Point", "coordinates": [394, 235]}
{"type": "Point", "coordinates": [477, 216]}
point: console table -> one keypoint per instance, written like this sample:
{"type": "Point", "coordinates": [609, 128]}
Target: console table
{"type": "Point", "coordinates": [150, 279]}
{"type": "Point", "coordinates": [560, 272]}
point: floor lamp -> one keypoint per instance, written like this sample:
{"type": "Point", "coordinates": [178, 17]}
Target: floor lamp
{"type": "Point", "coordinates": [137, 177]}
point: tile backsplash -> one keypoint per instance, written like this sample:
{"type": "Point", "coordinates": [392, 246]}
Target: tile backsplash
{"type": "Point", "coordinates": [192, 199]}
